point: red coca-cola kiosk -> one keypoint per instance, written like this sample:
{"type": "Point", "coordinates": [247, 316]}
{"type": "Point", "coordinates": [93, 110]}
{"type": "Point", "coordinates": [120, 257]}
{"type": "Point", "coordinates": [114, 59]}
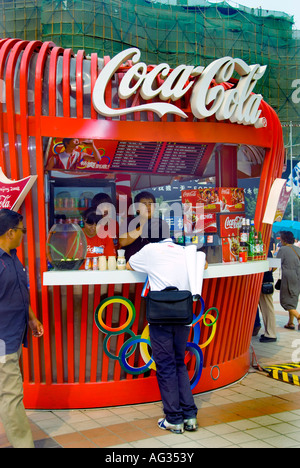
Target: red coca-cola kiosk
{"type": "Point", "coordinates": [133, 126]}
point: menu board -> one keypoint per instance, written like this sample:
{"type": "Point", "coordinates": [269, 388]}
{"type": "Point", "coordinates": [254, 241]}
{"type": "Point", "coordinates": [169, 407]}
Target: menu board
{"type": "Point", "coordinates": [181, 158]}
{"type": "Point", "coordinates": [136, 156]}
{"type": "Point", "coordinates": [161, 158]}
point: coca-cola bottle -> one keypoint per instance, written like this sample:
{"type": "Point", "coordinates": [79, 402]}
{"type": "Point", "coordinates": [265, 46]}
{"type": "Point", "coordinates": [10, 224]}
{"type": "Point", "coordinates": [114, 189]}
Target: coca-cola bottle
{"type": "Point", "coordinates": [243, 234]}
{"type": "Point", "coordinates": [243, 240]}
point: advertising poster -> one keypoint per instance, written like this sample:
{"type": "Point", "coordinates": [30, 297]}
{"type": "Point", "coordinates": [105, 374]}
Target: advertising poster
{"type": "Point", "coordinates": [79, 154]}
{"type": "Point", "coordinates": [277, 201]}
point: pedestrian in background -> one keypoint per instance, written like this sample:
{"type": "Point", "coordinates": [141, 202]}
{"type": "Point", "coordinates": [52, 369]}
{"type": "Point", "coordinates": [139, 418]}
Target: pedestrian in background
{"type": "Point", "coordinates": [266, 306]}
{"type": "Point", "coordinates": [290, 277]}
{"type": "Point", "coordinates": [15, 316]}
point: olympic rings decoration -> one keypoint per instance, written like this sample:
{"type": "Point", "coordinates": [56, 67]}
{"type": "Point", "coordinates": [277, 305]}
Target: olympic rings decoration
{"type": "Point", "coordinates": [129, 347]}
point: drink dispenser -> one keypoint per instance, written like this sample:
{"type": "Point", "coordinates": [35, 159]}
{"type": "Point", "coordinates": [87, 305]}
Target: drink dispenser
{"type": "Point", "coordinates": [66, 247]}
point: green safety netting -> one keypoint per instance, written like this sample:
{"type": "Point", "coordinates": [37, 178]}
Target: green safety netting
{"type": "Point", "coordinates": [173, 31]}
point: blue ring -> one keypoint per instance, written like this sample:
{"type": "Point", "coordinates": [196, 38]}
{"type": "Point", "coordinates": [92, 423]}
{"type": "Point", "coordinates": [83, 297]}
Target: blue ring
{"type": "Point", "coordinates": [122, 355]}
{"type": "Point", "coordinates": [194, 348]}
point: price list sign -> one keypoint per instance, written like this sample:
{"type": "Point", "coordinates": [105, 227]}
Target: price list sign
{"type": "Point", "coordinates": [181, 158]}
{"type": "Point", "coordinates": [136, 156]}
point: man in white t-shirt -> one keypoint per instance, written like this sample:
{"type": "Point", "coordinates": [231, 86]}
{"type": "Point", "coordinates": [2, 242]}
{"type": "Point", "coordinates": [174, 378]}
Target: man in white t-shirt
{"type": "Point", "coordinates": [165, 264]}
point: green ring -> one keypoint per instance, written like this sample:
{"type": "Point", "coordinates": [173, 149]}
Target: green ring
{"type": "Point", "coordinates": [210, 324]}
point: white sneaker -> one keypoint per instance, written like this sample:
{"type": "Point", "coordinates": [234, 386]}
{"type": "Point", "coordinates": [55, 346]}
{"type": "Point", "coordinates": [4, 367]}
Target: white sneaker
{"type": "Point", "coordinates": [176, 428]}
{"type": "Point", "coordinates": [190, 424]}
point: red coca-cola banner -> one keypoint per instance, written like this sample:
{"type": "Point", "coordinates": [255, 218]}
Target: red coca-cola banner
{"type": "Point", "coordinates": [230, 224]}
{"type": "Point", "coordinates": [13, 192]}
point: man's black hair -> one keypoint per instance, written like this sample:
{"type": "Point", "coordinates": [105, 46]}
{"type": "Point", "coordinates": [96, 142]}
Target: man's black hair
{"type": "Point", "coordinates": [144, 194]}
{"type": "Point", "coordinates": [8, 220]}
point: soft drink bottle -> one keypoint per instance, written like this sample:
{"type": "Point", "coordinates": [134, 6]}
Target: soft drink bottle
{"type": "Point", "coordinates": [251, 246]}
{"type": "Point", "coordinates": [243, 234]}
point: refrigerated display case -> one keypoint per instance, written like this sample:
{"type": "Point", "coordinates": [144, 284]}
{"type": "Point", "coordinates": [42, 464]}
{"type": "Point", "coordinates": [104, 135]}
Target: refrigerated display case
{"type": "Point", "coordinates": [71, 195]}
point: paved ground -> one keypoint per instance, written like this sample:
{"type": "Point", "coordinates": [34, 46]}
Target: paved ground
{"type": "Point", "coordinates": [256, 412]}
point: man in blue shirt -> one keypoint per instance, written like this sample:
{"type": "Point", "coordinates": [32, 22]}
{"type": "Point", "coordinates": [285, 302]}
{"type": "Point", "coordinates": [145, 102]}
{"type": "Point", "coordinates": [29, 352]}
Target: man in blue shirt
{"type": "Point", "coordinates": [15, 316]}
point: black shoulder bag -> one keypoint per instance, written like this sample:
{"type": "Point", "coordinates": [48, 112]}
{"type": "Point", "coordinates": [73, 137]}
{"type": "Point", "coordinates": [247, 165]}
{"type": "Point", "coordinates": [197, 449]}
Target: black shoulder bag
{"type": "Point", "coordinates": [169, 306]}
{"type": "Point", "coordinates": [267, 288]}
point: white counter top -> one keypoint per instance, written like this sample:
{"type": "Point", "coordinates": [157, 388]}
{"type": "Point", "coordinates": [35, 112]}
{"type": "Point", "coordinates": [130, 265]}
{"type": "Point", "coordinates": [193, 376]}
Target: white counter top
{"type": "Point", "coordinates": [77, 277]}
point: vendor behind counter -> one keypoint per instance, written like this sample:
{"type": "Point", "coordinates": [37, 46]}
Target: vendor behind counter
{"type": "Point", "coordinates": [143, 228]}
{"type": "Point", "coordinates": [96, 246]}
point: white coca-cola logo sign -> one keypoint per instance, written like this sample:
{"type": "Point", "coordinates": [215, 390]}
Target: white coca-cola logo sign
{"type": "Point", "coordinates": [237, 104]}
{"type": "Point", "coordinates": [233, 223]}
{"type": "Point", "coordinates": [5, 201]}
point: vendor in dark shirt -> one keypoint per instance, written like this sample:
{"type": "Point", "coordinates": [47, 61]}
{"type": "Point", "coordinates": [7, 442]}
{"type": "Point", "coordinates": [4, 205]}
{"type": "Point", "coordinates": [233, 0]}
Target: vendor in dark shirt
{"type": "Point", "coordinates": [143, 228]}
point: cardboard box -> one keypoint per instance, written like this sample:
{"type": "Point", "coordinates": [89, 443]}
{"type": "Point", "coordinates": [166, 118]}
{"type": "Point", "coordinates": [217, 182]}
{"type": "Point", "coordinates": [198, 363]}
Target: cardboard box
{"type": "Point", "coordinates": [216, 199]}
{"type": "Point", "coordinates": [193, 211]}
{"type": "Point", "coordinates": [189, 196]}
{"type": "Point", "coordinates": [210, 198]}
{"type": "Point", "coordinates": [231, 199]}
{"type": "Point", "coordinates": [230, 249]}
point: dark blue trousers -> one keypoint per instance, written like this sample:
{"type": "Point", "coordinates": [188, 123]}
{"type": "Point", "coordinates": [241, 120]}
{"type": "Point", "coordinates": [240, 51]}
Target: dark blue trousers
{"type": "Point", "coordinates": [168, 344]}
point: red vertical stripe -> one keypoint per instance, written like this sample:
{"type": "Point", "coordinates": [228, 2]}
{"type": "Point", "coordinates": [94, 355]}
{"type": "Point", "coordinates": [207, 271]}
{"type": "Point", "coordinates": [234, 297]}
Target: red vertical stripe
{"type": "Point", "coordinates": [68, 54]}
{"type": "Point", "coordinates": [31, 244]}
{"type": "Point", "coordinates": [83, 332]}
{"type": "Point", "coordinates": [39, 72]}
{"type": "Point", "coordinates": [95, 336]}
{"type": "Point", "coordinates": [56, 51]}
{"type": "Point", "coordinates": [70, 335]}
{"type": "Point", "coordinates": [108, 322]}
{"type": "Point", "coordinates": [79, 83]}
{"type": "Point", "coordinates": [59, 350]}
{"type": "Point", "coordinates": [94, 76]}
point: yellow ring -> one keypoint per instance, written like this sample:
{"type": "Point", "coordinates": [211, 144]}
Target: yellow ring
{"type": "Point", "coordinates": [144, 348]}
{"type": "Point", "coordinates": [118, 300]}
{"type": "Point", "coordinates": [212, 318]}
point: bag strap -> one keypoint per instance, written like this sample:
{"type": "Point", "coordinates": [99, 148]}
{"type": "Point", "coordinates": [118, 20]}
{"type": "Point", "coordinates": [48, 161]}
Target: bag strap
{"type": "Point", "coordinates": [146, 288]}
{"type": "Point", "coordinates": [294, 251]}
